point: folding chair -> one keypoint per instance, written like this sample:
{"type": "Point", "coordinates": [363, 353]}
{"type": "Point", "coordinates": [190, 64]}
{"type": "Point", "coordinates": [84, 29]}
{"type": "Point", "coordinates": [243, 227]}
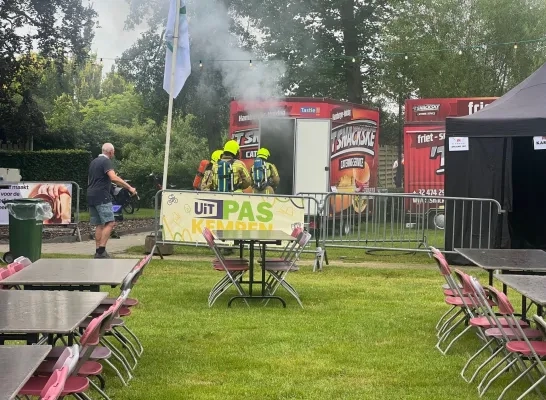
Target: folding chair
{"type": "Point", "coordinates": [74, 385]}
{"type": "Point", "coordinates": [55, 385]}
{"type": "Point", "coordinates": [279, 270]}
{"type": "Point", "coordinates": [130, 302]}
{"type": "Point", "coordinates": [107, 351]}
{"type": "Point", "coordinates": [4, 273]}
{"type": "Point", "coordinates": [461, 303]}
{"type": "Point", "coordinates": [490, 327]}
{"type": "Point", "coordinates": [85, 367]}
{"type": "Point", "coordinates": [234, 271]}
{"type": "Point", "coordinates": [288, 249]}
{"type": "Point", "coordinates": [127, 284]}
{"type": "Point", "coordinates": [437, 255]}
{"type": "Point", "coordinates": [110, 329]}
{"type": "Point", "coordinates": [23, 261]}
{"type": "Point", "coordinates": [518, 349]}
{"type": "Point", "coordinates": [289, 254]}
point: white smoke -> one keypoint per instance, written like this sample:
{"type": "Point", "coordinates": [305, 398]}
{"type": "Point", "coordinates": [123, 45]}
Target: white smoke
{"type": "Point", "coordinates": [209, 27]}
{"type": "Point", "coordinates": [111, 39]}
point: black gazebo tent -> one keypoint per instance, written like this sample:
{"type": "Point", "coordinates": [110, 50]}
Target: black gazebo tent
{"type": "Point", "coordinates": [502, 164]}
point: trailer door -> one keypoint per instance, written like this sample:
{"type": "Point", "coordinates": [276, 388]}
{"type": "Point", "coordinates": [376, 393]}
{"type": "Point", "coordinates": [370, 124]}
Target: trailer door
{"type": "Point", "coordinates": [277, 135]}
{"type": "Point", "coordinates": [312, 156]}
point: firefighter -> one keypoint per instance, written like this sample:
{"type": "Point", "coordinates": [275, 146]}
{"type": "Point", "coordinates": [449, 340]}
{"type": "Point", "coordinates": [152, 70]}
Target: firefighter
{"type": "Point", "coordinates": [265, 176]}
{"type": "Point", "coordinates": [209, 179]}
{"type": "Point", "coordinates": [230, 173]}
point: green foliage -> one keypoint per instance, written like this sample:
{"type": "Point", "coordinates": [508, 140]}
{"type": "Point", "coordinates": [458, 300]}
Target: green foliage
{"type": "Point", "coordinates": [462, 27]}
{"type": "Point", "coordinates": [27, 26]}
{"type": "Point", "coordinates": [146, 151]}
{"type": "Point", "coordinates": [54, 165]}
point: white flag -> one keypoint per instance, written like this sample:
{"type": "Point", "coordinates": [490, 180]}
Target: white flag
{"type": "Point", "coordinates": [183, 66]}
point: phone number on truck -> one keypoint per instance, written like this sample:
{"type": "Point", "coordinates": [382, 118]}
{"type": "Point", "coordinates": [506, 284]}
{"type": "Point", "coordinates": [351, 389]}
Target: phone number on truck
{"type": "Point", "coordinates": [428, 192]}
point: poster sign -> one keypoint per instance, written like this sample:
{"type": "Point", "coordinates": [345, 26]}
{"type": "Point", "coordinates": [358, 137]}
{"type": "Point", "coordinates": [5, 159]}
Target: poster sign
{"type": "Point", "coordinates": [539, 142]}
{"type": "Point", "coordinates": [58, 195]}
{"type": "Point", "coordinates": [458, 144]}
{"type": "Point", "coordinates": [185, 214]}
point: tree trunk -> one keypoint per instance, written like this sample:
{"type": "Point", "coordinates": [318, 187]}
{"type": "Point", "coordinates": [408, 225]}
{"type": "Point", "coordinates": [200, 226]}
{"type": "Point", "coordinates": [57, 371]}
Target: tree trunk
{"type": "Point", "coordinates": [353, 76]}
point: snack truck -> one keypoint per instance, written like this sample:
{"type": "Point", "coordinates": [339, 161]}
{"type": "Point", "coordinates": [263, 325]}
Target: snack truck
{"type": "Point", "coordinates": [424, 137]}
{"type": "Point", "coordinates": [319, 145]}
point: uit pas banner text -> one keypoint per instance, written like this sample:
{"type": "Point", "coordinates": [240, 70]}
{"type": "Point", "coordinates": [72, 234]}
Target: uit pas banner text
{"type": "Point", "coordinates": [185, 214]}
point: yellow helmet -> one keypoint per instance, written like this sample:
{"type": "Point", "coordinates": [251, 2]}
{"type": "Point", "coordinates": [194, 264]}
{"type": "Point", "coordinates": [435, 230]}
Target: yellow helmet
{"type": "Point", "coordinates": [263, 153]}
{"type": "Point", "coordinates": [232, 147]}
{"type": "Point", "coordinates": [216, 155]}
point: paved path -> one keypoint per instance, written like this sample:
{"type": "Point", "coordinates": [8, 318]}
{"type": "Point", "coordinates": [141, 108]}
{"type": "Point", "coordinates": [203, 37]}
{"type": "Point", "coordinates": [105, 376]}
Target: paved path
{"type": "Point", "coordinates": [115, 246]}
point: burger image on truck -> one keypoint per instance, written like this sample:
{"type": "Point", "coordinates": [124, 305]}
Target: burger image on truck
{"type": "Point", "coordinates": [424, 137]}
{"type": "Point", "coordinates": [319, 145]}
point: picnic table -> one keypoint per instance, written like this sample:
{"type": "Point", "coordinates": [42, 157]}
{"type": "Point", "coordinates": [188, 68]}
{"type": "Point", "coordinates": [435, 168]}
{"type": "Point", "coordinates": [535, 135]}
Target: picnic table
{"type": "Point", "coordinates": [262, 237]}
{"type": "Point", "coordinates": [30, 313]}
{"type": "Point", "coordinates": [73, 274]}
{"type": "Point", "coordinates": [530, 287]}
{"type": "Point", "coordinates": [17, 364]}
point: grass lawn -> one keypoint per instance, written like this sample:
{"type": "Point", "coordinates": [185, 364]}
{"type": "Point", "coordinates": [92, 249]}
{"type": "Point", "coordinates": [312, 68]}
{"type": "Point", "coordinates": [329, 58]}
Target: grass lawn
{"type": "Point", "coordinates": [143, 213]}
{"type": "Point", "coordinates": [365, 333]}
{"type": "Point", "coordinates": [334, 254]}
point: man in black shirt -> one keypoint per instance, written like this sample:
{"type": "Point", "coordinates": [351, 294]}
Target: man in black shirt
{"type": "Point", "coordinates": [99, 199]}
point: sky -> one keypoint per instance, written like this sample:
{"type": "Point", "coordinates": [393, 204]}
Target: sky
{"type": "Point", "coordinates": [111, 40]}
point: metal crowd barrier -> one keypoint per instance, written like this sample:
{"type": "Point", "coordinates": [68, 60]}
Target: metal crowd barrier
{"type": "Point", "coordinates": [75, 203]}
{"type": "Point", "coordinates": [381, 221]}
{"type": "Point", "coordinates": [406, 222]}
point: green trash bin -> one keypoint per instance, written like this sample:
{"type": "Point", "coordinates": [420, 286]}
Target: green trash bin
{"type": "Point", "coordinates": [26, 220]}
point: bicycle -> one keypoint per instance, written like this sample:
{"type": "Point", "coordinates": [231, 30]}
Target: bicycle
{"type": "Point", "coordinates": [122, 197]}
{"type": "Point", "coordinates": [149, 196]}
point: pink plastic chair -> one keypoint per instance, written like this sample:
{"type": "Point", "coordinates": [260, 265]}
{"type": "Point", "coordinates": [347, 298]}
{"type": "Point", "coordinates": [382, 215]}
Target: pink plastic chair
{"type": "Point", "coordinates": [491, 329]}
{"type": "Point", "coordinates": [23, 260]}
{"type": "Point", "coordinates": [69, 358]}
{"type": "Point", "coordinates": [55, 385]}
{"type": "Point", "coordinates": [279, 271]}
{"type": "Point", "coordinates": [288, 250]}
{"type": "Point", "coordinates": [523, 353]}
{"type": "Point", "coordinates": [15, 267]}
{"type": "Point", "coordinates": [234, 271]}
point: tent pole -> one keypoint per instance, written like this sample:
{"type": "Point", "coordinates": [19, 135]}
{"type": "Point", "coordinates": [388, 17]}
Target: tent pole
{"type": "Point", "coordinates": [500, 217]}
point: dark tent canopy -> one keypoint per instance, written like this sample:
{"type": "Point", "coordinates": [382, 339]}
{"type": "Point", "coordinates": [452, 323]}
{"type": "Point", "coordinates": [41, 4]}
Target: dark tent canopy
{"type": "Point", "coordinates": [501, 163]}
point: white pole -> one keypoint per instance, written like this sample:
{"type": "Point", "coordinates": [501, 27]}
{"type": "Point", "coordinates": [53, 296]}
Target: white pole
{"type": "Point", "coordinates": [171, 99]}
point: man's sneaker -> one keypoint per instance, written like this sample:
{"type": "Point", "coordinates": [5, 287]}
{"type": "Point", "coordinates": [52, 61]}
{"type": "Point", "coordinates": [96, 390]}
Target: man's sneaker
{"type": "Point", "coordinates": [103, 255]}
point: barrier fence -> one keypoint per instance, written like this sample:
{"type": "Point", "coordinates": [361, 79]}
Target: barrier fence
{"type": "Point", "coordinates": [407, 222]}
{"type": "Point", "coordinates": [368, 221]}
{"type": "Point", "coordinates": [64, 198]}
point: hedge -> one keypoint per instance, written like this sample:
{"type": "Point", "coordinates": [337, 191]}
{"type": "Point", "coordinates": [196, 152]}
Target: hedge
{"type": "Point", "coordinates": [50, 165]}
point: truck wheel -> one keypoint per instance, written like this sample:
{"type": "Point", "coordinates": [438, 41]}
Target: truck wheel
{"type": "Point", "coordinates": [436, 219]}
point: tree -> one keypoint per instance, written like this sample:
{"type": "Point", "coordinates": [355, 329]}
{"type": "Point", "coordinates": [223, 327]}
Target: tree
{"type": "Point", "coordinates": [64, 125]}
{"type": "Point", "coordinates": [440, 52]}
{"type": "Point", "coordinates": [57, 27]}
{"type": "Point", "coordinates": [146, 151]}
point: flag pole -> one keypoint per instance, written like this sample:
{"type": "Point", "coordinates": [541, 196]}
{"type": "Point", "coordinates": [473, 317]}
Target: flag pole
{"type": "Point", "coordinates": [171, 98]}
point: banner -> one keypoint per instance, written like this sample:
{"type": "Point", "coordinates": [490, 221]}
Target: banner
{"type": "Point", "coordinates": [185, 214]}
{"type": "Point", "coordinates": [58, 195]}
{"type": "Point", "coordinates": [182, 65]}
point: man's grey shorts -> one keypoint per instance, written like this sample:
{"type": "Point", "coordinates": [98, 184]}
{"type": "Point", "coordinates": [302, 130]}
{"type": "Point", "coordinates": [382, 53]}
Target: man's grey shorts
{"type": "Point", "coordinates": [101, 214]}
